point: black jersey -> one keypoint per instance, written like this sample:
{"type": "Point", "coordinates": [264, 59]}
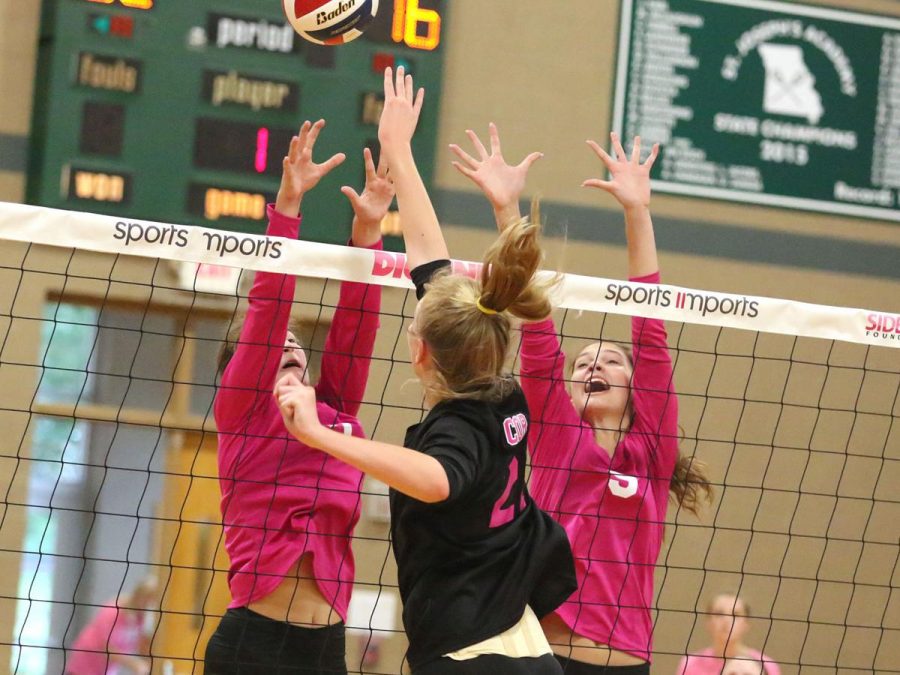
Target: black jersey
{"type": "Point", "coordinates": [468, 565]}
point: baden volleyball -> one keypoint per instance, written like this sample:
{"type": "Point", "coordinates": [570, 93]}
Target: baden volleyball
{"type": "Point", "coordinates": [330, 22]}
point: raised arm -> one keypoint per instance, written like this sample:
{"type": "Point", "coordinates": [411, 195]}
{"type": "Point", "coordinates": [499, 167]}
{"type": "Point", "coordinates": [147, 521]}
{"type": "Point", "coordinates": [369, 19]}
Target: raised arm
{"type": "Point", "coordinates": [554, 419]}
{"type": "Point", "coordinates": [630, 185]}
{"type": "Point", "coordinates": [655, 403]}
{"type": "Point", "coordinates": [351, 338]}
{"type": "Point", "coordinates": [252, 369]}
{"type": "Point", "coordinates": [421, 230]}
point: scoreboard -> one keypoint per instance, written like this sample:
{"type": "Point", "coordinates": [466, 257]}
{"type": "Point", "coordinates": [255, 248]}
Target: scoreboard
{"type": "Point", "coordinates": [181, 110]}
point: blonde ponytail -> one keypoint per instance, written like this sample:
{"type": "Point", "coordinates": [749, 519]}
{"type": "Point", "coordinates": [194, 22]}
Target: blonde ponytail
{"type": "Point", "coordinates": [466, 323]}
{"type": "Point", "coordinates": [507, 278]}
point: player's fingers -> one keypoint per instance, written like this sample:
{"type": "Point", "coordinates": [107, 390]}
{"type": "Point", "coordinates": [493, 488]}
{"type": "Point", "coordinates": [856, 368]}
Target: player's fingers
{"type": "Point", "coordinates": [597, 183]}
{"type": "Point", "coordinates": [617, 147]}
{"type": "Point", "coordinates": [332, 162]}
{"type": "Point", "coordinates": [528, 161]}
{"type": "Point", "coordinates": [351, 194]}
{"type": "Point", "coordinates": [294, 150]}
{"type": "Point", "coordinates": [304, 132]}
{"type": "Point", "coordinates": [463, 155]}
{"type": "Point", "coordinates": [464, 170]}
{"type": "Point", "coordinates": [369, 164]}
{"type": "Point", "coordinates": [314, 134]}
{"type": "Point", "coordinates": [479, 146]}
{"type": "Point", "coordinates": [400, 82]}
{"type": "Point", "coordinates": [602, 154]}
{"type": "Point", "coordinates": [636, 151]}
{"type": "Point", "coordinates": [389, 83]}
{"type": "Point", "coordinates": [654, 153]}
{"type": "Point", "coordinates": [495, 139]}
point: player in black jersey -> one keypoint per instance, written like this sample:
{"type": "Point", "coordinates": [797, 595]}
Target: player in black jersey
{"type": "Point", "coordinates": [478, 561]}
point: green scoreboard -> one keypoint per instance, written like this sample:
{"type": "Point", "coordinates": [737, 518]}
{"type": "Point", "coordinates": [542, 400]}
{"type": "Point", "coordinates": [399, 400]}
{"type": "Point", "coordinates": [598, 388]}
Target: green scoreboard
{"type": "Point", "coordinates": [181, 110]}
{"type": "Point", "coordinates": [775, 103]}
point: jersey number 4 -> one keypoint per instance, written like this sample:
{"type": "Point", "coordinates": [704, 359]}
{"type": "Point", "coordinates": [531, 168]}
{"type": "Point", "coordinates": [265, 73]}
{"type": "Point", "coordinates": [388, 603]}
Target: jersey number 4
{"type": "Point", "coordinates": [505, 507]}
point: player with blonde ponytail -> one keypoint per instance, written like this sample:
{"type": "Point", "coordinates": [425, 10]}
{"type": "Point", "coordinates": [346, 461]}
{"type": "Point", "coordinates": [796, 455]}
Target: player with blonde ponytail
{"type": "Point", "coordinates": [478, 562]}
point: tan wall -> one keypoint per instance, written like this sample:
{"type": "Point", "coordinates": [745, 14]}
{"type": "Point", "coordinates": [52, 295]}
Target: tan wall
{"type": "Point", "coordinates": [18, 53]}
{"type": "Point", "coordinates": [17, 384]}
{"type": "Point", "coordinates": [545, 79]}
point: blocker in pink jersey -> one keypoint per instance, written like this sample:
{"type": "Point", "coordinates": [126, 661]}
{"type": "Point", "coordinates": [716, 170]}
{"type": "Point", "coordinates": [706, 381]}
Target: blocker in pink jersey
{"type": "Point", "coordinates": [281, 499]}
{"type": "Point", "coordinates": [612, 507]}
{"type": "Point", "coordinates": [605, 453]}
{"type": "Point", "coordinates": [289, 510]}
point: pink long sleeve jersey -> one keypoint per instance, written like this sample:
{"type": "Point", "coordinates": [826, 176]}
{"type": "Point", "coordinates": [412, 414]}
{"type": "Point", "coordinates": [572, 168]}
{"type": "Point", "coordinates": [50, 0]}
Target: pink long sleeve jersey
{"type": "Point", "coordinates": [281, 498]}
{"type": "Point", "coordinates": [707, 663]}
{"type": "Point", "coordinates": [111, 631]}
{"type": "Point", "coordinates": [613, 508]}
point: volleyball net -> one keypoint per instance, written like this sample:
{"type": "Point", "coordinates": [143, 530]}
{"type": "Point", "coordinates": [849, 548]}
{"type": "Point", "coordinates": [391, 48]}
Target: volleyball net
{"type": "Point", "coordinates": [109, 331]}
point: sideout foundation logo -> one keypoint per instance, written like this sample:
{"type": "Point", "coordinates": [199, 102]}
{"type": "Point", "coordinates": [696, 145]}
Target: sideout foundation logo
{"type": "Point", "coordinates": [692, 301]}
{"type": "Point", "coordinates": [395, 265]}
{"type": "Point", "coordinates": [883, 326]}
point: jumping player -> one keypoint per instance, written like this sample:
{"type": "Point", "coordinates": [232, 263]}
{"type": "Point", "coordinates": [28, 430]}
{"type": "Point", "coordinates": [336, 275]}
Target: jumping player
{"type": "Point", "coordinates": [605, 454]}
{"type": "Point", "coordinates": [478, 562]}
{"type": "Point", "coordinates": [288, 509]}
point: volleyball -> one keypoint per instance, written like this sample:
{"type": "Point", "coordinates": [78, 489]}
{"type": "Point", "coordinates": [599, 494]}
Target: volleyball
{"type": "Point", "coordinates": [330, 22]}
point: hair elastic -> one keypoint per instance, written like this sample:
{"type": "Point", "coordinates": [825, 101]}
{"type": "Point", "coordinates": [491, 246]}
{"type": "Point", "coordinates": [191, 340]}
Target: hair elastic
{"type": "Point", "coordinates": [482, 308]}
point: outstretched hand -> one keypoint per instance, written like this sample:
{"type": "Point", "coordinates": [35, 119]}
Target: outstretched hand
{"type": "Point", "coordinates": [421, 230]}
{"type": "Point", "coordinates": [297, 403]}
{"type": "Point", "coordinates": [300, 173]}
{"type": "Point", "coordinates": [402, 105]}
{"type": "Point", "coordinates": [372, 205]}
{"type": "Point", "coordinates": [500, 182]}
{"type": "Point", "coordinates": [630, 179]}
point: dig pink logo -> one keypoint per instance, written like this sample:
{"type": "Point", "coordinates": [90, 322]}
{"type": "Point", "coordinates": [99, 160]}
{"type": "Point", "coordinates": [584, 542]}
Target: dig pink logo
{"type": "Point", "coordinates": [388, 264]}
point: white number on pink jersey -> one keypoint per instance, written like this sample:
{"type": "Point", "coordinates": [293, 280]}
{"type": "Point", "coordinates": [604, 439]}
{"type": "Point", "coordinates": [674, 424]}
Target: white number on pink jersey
{"type": "Point", "coordinates": [621, 485]}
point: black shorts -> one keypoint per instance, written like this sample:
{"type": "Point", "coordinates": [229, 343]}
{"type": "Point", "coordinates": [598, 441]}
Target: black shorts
{"type": "Point", "coordinates": [492, 664]}
{"type": "Point", "coordinates": [247, 643]}
{"type": "Point", "coordinates": [572, 667]}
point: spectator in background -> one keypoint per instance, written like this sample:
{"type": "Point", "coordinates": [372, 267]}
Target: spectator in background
{"type": "Point", "coordinates": [744, 667]}
{"type": "Point", "coordinates": [727, 624]}
{"type": "Point", "coordinates": [117, 640]}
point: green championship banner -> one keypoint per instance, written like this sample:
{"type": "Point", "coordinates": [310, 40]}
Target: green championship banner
{"type": "Point", "coordinates": [773, 103]}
